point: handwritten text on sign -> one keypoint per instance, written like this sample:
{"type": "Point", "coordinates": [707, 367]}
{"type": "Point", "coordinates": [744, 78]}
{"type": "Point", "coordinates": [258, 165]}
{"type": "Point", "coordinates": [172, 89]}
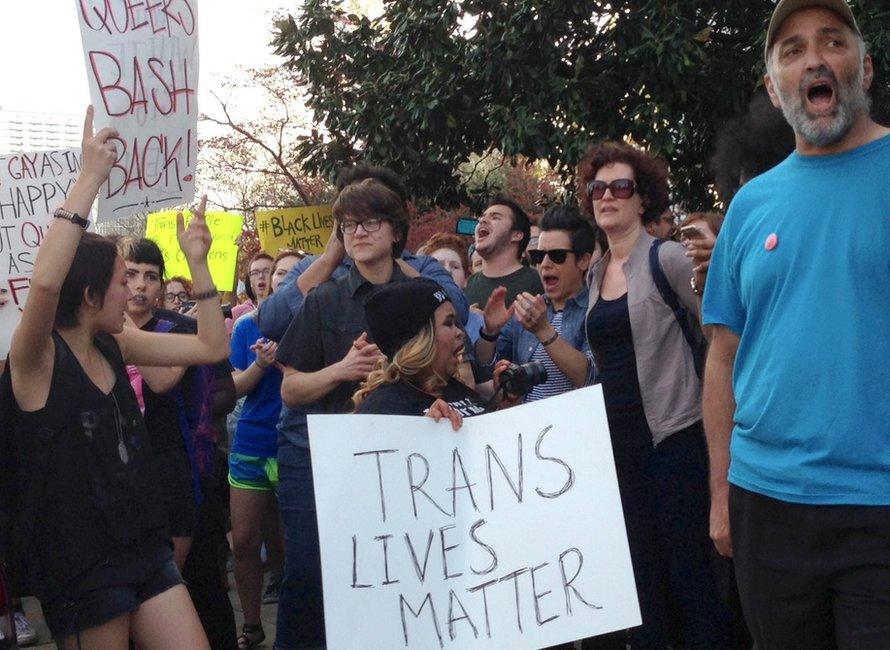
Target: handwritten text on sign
{"type": "Point", "coordinates": [142, 67]}
{"type": "Point", "coordinates": [222, 259]}
{"type": "Point", "coordinates": [32, 186]}
{"type": "Point", "coordinates": [305, 228]}
{"type": "Point", "coordinates": [506, 534]}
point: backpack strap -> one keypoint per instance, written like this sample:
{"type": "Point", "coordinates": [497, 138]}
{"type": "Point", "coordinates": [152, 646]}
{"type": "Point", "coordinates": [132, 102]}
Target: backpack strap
{"type": "Point", "coordinates": [695, 341]}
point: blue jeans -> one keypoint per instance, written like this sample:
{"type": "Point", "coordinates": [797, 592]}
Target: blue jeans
{"type": "Point", "coordinates": [300, 603]}
{"type": "Point", "coordinates": [664, 495]}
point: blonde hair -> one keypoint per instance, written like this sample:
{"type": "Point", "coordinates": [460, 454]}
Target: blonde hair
{"type": "Point", "coordinates": [412, 362]}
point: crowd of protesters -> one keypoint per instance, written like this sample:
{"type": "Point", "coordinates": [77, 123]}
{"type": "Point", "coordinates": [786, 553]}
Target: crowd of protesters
{"type": "Point", "coordinates": [743, 366]}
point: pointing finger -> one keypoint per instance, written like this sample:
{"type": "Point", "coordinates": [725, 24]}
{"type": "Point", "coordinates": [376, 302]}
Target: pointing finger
{"type": "Point", "coordinates": [88, 123]}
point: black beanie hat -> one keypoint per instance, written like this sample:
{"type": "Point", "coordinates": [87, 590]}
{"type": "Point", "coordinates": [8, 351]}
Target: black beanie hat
{"type": "Point", "coordinates": [396, 312]}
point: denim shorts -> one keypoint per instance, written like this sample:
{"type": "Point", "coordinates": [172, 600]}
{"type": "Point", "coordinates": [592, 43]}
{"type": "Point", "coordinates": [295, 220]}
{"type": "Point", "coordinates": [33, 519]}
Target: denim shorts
{"type": "Point", "coordinates": [116, 586]}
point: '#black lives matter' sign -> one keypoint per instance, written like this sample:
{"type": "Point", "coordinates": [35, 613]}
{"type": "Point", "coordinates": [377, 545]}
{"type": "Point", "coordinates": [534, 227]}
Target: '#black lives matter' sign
{"type": "Point", "coordinates": [506, 534]}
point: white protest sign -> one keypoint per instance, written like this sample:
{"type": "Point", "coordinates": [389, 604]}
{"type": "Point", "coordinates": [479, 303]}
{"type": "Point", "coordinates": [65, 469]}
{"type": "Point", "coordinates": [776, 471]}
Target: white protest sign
{"type": "Point", "coordinates": [506, 534]}
{"type": "Point", "coordinates": [142, 67]}
{"type": "Point", "coordinates": [32, 186]}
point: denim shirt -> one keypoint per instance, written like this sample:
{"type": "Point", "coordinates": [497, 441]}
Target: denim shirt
{"type": "Point", "coordinates": [279, 309]}
{"type": "Point", "coordinates": [517, 344]}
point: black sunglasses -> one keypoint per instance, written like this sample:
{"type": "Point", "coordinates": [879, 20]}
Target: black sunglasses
{"type": "Point", "coordinates": [621, 188]}
{"type": "Point", "coordinates": [556, 255]}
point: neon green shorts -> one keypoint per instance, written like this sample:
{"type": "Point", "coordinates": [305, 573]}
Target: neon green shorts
{"type": "Point", "coordinates": [253, 472]}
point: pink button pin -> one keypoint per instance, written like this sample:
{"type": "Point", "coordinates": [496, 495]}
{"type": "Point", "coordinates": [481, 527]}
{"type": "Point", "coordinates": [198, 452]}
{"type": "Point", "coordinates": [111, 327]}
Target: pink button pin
{"type": "Point", "coordinates": [771, 242]}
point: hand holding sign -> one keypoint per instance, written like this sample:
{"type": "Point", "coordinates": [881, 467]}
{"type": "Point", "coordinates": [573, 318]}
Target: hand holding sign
{"type": "Point", "coordinates": [194, 240]}
{"type": "Point", "coordinates": [99, 151]}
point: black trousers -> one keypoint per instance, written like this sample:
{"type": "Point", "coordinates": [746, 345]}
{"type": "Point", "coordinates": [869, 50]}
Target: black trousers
{"type": "Point", "coordinates": [812, 576]}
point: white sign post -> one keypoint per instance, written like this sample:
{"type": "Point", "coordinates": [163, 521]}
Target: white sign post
{"type": "Point", "coordinates": [142, 67]}
{"type": "Point", "coordinates": [32, 186]}
{"type": "Point", "coordinates": [506, 534]}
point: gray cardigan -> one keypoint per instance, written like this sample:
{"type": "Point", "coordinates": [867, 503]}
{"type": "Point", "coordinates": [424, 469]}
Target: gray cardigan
{"type": "Point", "coordinates": [669, 386]}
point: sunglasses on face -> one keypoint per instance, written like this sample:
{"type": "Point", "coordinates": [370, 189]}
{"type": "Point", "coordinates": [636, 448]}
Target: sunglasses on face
{"type": "Point", "coordinates": [556, 255]}
{"type": "Point", "coordinates": [621, 188]}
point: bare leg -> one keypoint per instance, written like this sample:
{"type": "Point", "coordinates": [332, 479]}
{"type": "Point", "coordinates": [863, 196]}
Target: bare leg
{"type": "Point", "coordinates": [248, 509]}
{"type": "Point", "coordinates": [181, 548]}
{"type": "Point", "coordinates": [273, 535]}
{"type": "Point", "coordinates": [113, 635]}
{"type": "Point", "coordinates": [168, 620]}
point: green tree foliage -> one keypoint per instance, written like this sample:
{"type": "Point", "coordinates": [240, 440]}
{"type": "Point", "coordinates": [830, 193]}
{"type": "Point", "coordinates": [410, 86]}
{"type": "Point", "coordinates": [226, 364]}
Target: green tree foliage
{"type": "Point", "coordinates": [430, 83]}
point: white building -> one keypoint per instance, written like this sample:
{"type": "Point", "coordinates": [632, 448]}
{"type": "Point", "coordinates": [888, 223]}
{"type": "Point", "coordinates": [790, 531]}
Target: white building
{"type": "Point", "coordinates": [29, 131]}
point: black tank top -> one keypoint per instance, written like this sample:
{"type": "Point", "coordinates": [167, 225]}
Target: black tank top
{"type": "Point", "coordinates": [84, 463]}
{"type": "Point", "coordinates": [611, 342]}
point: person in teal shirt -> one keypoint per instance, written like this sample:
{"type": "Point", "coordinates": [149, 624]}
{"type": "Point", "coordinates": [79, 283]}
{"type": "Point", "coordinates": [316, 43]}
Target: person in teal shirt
{"type": "Point", "coordinates": [795, 404]}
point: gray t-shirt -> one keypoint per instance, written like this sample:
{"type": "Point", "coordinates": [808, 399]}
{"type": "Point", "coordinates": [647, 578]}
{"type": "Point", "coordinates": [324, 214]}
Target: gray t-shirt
{"type": "Point", "coordinates": [479, 286]}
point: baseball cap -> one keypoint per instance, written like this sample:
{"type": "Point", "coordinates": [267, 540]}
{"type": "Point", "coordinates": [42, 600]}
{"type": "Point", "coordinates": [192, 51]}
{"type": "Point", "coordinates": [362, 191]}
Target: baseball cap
{"type": "Point", "coordinates": [785, 8]}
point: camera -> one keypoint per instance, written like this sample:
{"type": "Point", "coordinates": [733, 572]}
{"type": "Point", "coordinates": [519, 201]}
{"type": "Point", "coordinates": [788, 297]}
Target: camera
{"type": "Point", "coordinates": [519, 380]}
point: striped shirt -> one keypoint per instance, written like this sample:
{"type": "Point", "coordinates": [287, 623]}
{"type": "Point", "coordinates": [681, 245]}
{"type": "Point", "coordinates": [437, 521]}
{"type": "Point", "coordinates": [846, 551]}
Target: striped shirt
{"type": "Point", "coordinates": [557, 383]}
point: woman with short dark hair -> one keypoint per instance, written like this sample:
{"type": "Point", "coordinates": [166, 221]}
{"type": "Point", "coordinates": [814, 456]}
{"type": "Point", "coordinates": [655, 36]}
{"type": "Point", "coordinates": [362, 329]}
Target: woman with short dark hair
{"type": "Point", "coordinates": [643, 330]}
{"type": "Point", "coordinates": [89, 529]}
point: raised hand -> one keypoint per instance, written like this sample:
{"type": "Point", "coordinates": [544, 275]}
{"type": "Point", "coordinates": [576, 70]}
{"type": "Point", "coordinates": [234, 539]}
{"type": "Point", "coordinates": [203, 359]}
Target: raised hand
{"type": "Point", "coordinates": [496, 312]}
{"type": "Point", "coordinates": [98, 151]}
{"type": "Point", "coordinates": [195, 240]}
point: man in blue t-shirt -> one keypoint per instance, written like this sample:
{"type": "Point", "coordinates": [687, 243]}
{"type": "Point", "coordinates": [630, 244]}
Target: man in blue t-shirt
{"type": "Point", "coordinates": [795, 402]}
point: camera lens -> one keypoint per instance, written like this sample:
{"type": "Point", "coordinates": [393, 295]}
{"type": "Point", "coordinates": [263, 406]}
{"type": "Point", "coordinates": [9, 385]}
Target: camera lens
{"type": "Point", "coordinates": [519, 380]}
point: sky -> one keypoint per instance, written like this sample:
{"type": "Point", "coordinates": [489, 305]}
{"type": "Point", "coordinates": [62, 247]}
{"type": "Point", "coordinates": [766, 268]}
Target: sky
{"type": "Point", "coordinates": [41, 56]}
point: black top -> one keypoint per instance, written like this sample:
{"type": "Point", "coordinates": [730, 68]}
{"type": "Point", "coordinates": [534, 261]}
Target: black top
{"type": "Point", "coordinates": [162, 415]}
{"type": "Point", "coordinates": [85, 463]}
{"type": "Point", "coordinates": [332, 317]}
{"type": "Point", "coordinates": [611, 341]}
{"type": "Point", "coordinates": [404, 398]}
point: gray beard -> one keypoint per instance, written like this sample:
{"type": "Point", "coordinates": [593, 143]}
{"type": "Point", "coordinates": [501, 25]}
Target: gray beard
{"type": "Point", "coordinates": [852, 100]}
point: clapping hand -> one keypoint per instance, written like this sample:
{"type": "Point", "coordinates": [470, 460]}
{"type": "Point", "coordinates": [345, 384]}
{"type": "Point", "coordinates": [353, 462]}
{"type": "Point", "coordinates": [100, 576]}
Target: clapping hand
{"type": "Point", "coordinates": [531, 312]}
{"type": "Point", "coordinates": [496, 312]}
{"type": "Point", "coordinates": [265, 352]}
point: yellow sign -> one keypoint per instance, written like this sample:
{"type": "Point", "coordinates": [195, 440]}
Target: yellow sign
{"type": "Point", "coordinates": [305, 228]}
{"type": "Point", "coordinates": [225, 228]}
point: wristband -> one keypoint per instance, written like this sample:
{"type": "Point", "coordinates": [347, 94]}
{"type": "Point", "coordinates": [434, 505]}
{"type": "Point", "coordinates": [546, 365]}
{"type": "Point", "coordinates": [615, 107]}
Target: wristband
{"type": "Point", "coordinates": [206, 295]}
{"type": "Point", "coordinates": [551, 339]}
{"type": "Point", "coordinates": [491, 338]}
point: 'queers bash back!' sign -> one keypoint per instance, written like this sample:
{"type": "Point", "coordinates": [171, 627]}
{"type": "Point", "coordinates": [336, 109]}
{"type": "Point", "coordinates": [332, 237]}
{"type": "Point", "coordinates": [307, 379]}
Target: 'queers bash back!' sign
{"type": "Point", "coordinates": [142, 67]}
{"type": "Point", "coordinates": [506, 534]}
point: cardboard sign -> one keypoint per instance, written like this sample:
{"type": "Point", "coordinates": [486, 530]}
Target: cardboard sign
{"type": "Point", "coordinates": [32, 186]}
{"type": "Point", "coordinates": [506, 534]}
{"type": "Point", "coordinates": [225, 228]}
{"type": "Point", "coordinates": [142, 67]}
{"type": "Point", "coordinates": [305, 228]}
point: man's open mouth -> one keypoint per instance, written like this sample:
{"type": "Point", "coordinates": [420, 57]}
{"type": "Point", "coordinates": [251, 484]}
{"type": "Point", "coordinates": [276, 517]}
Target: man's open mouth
{"type": "Point", "coordinates": [820, 95]}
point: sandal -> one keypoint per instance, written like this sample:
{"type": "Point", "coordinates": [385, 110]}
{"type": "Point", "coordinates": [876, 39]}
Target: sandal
{"type": "Point", "coordinates": [251, 636]}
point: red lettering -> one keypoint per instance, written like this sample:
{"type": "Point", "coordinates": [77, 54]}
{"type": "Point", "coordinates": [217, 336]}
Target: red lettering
{"type": "Point", "coordinates": [17, 285]}
{"type": "Point", "coordinates": [114, 87]}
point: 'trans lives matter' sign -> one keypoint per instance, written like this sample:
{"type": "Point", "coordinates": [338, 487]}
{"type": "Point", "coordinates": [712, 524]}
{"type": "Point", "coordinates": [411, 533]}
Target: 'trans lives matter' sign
{"type": "Point", "coordinates": [142, 67]}
{"type": "Point", "coordinates": [32, 186]}
{"type": "Point", "coordinates": [506, 534]}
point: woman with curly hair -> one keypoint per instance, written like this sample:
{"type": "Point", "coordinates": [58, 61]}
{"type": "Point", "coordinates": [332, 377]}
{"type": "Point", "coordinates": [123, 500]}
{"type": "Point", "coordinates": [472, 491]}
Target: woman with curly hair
{"type": "Point", "coordinates": [643, 329]}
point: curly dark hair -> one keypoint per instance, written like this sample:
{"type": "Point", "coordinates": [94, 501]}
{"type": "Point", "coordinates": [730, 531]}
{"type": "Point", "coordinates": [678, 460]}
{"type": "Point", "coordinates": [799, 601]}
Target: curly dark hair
{"type": "Point", "coordinates": [650, 175]}
{"type": "Point", "coordinates": [749, 145]}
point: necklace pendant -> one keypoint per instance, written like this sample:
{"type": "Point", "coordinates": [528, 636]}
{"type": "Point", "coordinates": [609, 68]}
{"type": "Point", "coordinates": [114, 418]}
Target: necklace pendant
{"type": "Point", "coordinates": [123, 453]}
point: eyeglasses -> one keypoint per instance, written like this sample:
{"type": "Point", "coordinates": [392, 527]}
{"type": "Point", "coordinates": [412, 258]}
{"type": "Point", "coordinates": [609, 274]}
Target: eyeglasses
{"type": "Point", "coordinates": [556, 255]}
{"type": "Point", "coordinates": [621, 188]}
{"type": "Point", "coordinates": [349, 226]}
{"type": "Point", "coordinates": [182, 296]}
{"type": "Point", "coordinates": [260, 273]}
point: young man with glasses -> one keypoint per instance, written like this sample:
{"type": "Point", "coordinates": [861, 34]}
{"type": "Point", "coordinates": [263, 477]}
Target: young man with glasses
{"type": "Point", "coordinates": [547, 328]}
{"type": "Point", "coordinates": [795, 401]}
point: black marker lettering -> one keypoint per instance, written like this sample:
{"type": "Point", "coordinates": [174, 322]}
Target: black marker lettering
{"type": "Point", "coordinates": [377, 453]}
{"type": "Point", "coordinates": [429, 599]}
{"type": "Point", "coordinates": [494, 556]}
{"type": "Point", "coordinates": [418, 487]}
{"type": "Point", "coordinates": [570, 480]}
{"type": "Point", "coordinates": [567, 584]}
{"type": "Point", "coordinates": [538, 596]}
